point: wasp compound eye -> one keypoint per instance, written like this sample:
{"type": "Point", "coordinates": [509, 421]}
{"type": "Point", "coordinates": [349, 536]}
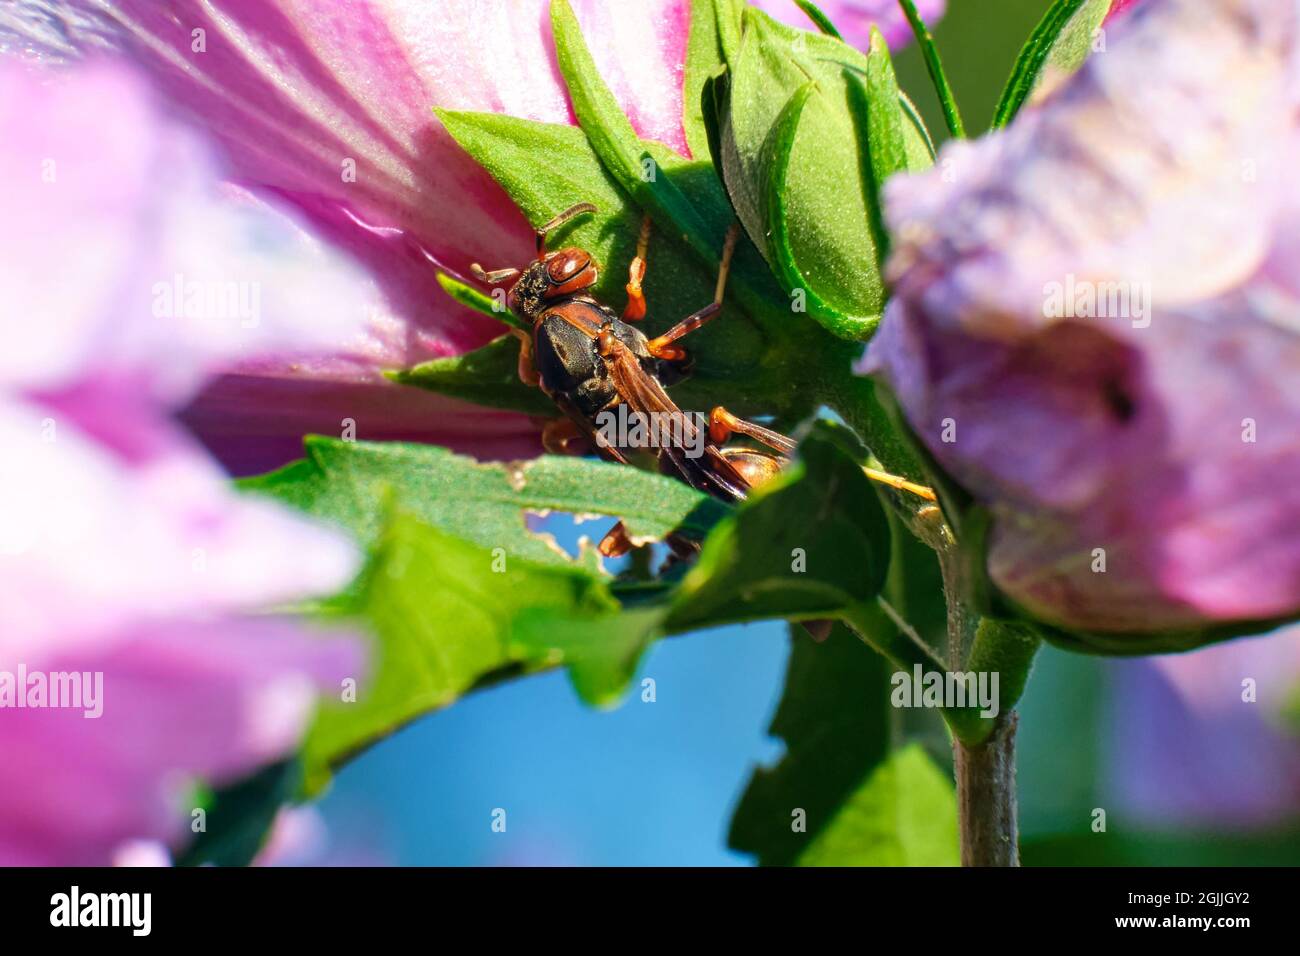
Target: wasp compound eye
{"type": "Point", "coordinates": [566, 265]}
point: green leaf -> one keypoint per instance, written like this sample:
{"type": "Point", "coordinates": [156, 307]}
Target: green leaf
{"type": "Point", "coordinates": [474, 299]}
{"type": "Point", "coordinates": [809, 544]}
{"type": "Point", "coordinates": [487, 376]}
{"type": "Point", "coordinates": [601, 653]}
{"type": "Point", "coordinates": [934, 65]}
{"type": "Point", "coordinates": [759, 358]}
{"type": "Point", "coordinates": [703, 60]}
{"type": "Point", "coordinates": [453, 565]}
{"type": "Point", "coordinates": [859, 802]}
{"type": "Point", "coordinates": [826, 215]}
{"type": "Point", "coordinates": [727, 16]}
{"type": "Point", "coordinates": [1005, 648]}
{"type": "Point", "coordinates": [775, 179]}
{"type": "Point", "coordinates": [1076, 38]}
{"type": "Point", "coordinates": [357, 484]}
{"type": "Point", "coordinates": [819, 19]}
{"type": "Point", "coordinates": [441, 611]}
{"type": "Point", "coordinates": [239, 817]}
{"type": "Point", "coordinates": [880, 126]}
{"type": "Point", "coordinates": [1058, 35]}
{"type": "Point", "coordinates": [611, 136]}
{"type": "Point", "coordinates": [904, 815]}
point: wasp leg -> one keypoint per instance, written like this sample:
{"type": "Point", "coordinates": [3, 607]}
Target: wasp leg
{"type": "Point", "coordinates": [902, 484]}
{"type": "Point", "coordinates": [662, 346]}
{"type": "Point", "coordinates": [616, 543]}
{"type": "Point", "coordinates": [722, 424]}
{"type": "Point", "coordinates": [496, 277]}
{"type": "Point", "coordinates": [562, 437]}
{"type": "Point", "coordinates": [527, 370]}
{"type": "Point", "coordinates": [636, 308]}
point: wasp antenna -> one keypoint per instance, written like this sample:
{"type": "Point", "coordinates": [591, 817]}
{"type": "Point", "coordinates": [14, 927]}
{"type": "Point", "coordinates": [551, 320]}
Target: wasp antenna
{"type": "Point", "coordinates": [571, 213]}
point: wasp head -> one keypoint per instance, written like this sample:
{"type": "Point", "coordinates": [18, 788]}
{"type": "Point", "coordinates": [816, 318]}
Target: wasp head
{"type": "Point", "coordinates": [554, 276]}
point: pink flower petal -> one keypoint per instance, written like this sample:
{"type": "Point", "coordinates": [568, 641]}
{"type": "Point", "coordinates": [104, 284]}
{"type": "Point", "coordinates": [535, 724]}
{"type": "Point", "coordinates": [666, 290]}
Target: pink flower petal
{"type": "Point", "coordinates": [90, 543]}
{"type": "Point", "coordinates": [181, 703]}
{"type": "Point", "coordinates": [301, 93]}
{"type": "Point", "coordinates": [1159, 171]}
{"type": "Point", "coordinates": [165, 263]}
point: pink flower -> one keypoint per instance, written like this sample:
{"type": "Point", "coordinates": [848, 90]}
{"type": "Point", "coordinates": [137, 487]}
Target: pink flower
{"type": "Point", "coordinates": [855, 18]}
{"type": "Point", "coordinates": [1093, 328]}
{"type": "Point", "coordinates": [329, 107]}
{"type": "Point", "coordinates": [125, 557]}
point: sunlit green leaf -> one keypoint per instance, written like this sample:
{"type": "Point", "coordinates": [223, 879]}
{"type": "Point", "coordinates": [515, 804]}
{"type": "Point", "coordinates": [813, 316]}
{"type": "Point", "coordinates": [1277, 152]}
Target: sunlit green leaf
{"type": "Point", "coordinates": [356, 485]}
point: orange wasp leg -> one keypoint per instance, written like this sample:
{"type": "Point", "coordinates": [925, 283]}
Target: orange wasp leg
{"type": "Point", "coordinates": [616, 543]}
{"type": "Point", "coordinates": [662, 346]}
{"type": "Point", "coordinates": [635, 309]}
{"type": "Point", "coordinates": [560, 436]}
{"type": "Point", "coordinates": [722, 424]}
{"type": "Point", "coordinates": [528, 373]}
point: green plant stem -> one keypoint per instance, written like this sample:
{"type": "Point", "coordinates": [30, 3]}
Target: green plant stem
{"type": "Point", "coordinates": [986, 771]}
{"type": "Point", "coordinates": [986, 796]}
{"type": "Point", "coordinates": [925, 40]}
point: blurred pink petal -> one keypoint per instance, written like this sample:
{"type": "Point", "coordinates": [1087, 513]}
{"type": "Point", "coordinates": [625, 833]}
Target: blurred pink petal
{"type": "Point", "coordinates": [166, 263]}
{"type": "Point", "coordinates": [303, 94]}
{"type": "Point", "coordinates": [855, 18]}
{"type": "Point", "coordinates": [124, 552]}
{"type": "Point", "coordinates": [89, 542]}
{"type": "Point", "coordinates": [1189, 749]}
{"type": "Point", "coordinates": [1161, 431]}
{"type": "Point", "coordinates": [183, 703]}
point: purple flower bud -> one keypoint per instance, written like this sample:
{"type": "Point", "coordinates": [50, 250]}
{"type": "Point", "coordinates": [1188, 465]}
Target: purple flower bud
{"type": "Point", "coordinates": [1095, 328]}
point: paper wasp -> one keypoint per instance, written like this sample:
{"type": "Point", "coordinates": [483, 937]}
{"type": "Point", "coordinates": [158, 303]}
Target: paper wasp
{"type": "Point", "coordinates": [589, 360]}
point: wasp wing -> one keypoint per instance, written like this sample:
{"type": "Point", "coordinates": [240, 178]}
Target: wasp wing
{"type": "Point", "coordinates": [643, 394]}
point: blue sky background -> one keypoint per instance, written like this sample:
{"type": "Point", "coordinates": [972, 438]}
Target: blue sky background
{"type": "Point", "coordinates": [644, 784]}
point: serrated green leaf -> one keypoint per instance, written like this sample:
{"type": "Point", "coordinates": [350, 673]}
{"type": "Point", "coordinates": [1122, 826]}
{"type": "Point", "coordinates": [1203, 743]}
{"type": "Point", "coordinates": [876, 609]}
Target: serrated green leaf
{"type": "Point", "coordinates": [440, 610]}
{"type": "Point", "coordinates": [486, 376]}
{"type": "Point", "coordinates": [453, 565]}
{"type": "Point", "coordinates": [1050, 34]}
{"type": "Point", "coordinates": [826, 213]}
{"type": "Point", "coordinates": [839, 796]}
{"type": "Point", "coordinates": [810, 543]}
{"type": "Point", "coordinates": [357, 484]}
